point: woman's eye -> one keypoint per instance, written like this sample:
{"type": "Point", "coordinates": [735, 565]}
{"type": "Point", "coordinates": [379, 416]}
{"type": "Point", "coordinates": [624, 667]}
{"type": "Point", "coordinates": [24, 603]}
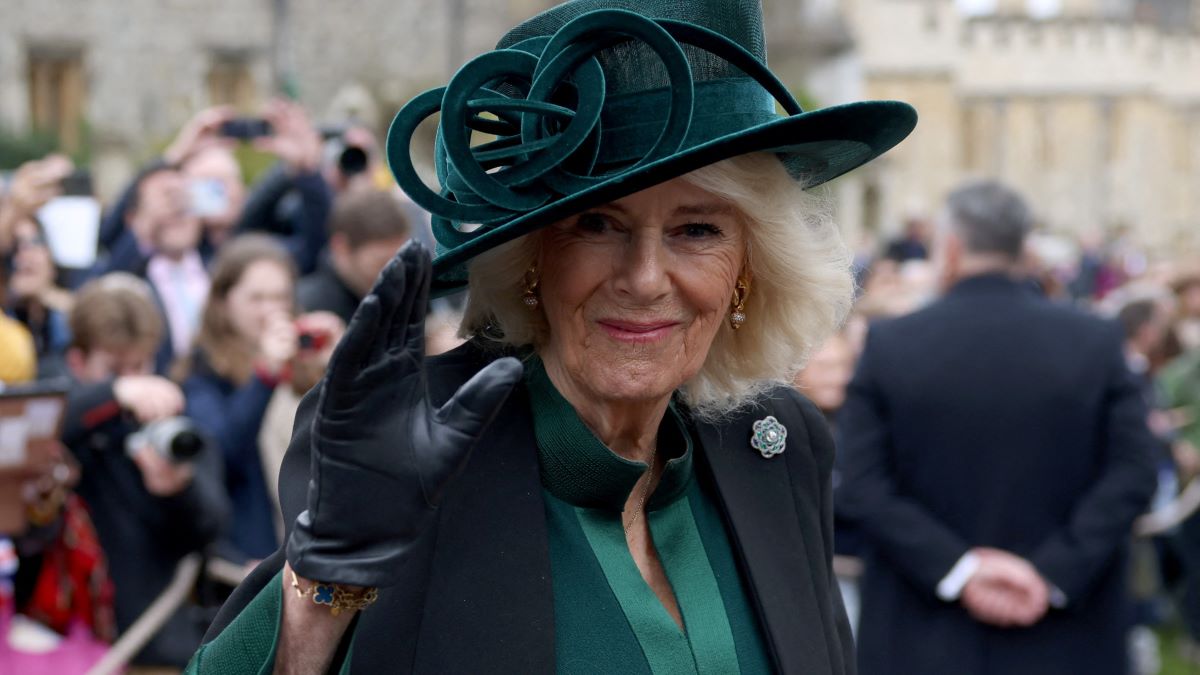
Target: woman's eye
{"type": "Point", "coordinates": [592, 222]}
{"type": "Point", "coordinates": [700, 230]}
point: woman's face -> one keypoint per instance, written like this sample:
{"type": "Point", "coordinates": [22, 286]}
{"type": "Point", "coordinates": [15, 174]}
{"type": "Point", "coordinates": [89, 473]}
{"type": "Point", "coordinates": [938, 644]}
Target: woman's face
{"type": "Point", "coordinates": [264, 290]}
{"type": "Point", "coordinates": [635, 291]}
{"type": "Point", "coordinates": [33, 267]}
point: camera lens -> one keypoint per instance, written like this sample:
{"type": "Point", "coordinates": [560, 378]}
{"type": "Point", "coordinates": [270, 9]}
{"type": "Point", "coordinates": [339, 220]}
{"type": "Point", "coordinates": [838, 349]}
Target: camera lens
{"type": "Point", "coordinates": [353, 160]}
{"type": "Point", "coordinates": [185, 445]}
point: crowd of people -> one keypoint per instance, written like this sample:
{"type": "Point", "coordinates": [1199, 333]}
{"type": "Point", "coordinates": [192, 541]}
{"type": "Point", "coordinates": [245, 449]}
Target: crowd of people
{"type": "Point", "coordinates": [990, 442]}
{"type": "Point", "coordinates": [212, 308]}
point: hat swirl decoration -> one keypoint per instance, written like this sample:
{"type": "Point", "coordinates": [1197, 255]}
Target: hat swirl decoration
{"type": "Point", "coordinates": [582, 115]}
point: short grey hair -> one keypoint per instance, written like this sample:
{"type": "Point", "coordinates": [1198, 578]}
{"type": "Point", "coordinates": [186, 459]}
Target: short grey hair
{"type": "Point", "coordinates": [990, 217]}
{"type": "Point", "coordinates": [802, 287]}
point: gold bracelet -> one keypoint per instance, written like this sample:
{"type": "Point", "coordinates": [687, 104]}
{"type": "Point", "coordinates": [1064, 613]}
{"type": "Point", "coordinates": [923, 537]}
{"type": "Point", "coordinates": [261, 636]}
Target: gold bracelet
{"type": "Point", "coordinates": [336, 596]}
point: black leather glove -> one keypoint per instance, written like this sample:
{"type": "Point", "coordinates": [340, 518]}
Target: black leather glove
{"type": "Point", "coordinates": [381, 451]}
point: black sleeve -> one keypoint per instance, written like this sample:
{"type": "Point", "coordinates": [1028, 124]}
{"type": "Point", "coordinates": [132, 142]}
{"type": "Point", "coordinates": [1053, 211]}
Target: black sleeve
{"type": "Point", "coordinates": [258, 215]}
{"type": "Point", "coordinates": [302, 230]}
{"type": "Point", "coordinates": [1073, 557]}
{"type": "Point", "coordinates": [308, 232]}
{"type": "Point", "coordinates": [920, 546]}
{"type": "Point", "coordinates": [112, 223]}
{"type": "Point", "coordinates": [88, 406]}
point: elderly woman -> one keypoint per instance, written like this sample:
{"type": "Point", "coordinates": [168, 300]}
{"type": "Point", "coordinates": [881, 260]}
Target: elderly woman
{"type": "Point", "coordinates": [612, 474]}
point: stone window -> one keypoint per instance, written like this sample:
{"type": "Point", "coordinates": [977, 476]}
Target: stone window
{"type": "Point", "coordinates": [968, 143]}
{"type": "Point", "coordinates": [57, 94]}
{"type": "Point", "coordinates": [230, 81]}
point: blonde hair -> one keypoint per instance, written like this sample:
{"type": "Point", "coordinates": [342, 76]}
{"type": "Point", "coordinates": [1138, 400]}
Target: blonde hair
{"type": "Point", "coordinates": [801, 287]}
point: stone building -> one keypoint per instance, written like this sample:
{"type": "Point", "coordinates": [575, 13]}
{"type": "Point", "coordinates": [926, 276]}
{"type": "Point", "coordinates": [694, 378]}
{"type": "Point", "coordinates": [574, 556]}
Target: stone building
{"type": "Point", "coordinates": [1090, 107]}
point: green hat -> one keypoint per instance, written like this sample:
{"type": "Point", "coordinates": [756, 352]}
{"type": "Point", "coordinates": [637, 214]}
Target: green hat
{"type": "Point", "coordinates": [594, 100]}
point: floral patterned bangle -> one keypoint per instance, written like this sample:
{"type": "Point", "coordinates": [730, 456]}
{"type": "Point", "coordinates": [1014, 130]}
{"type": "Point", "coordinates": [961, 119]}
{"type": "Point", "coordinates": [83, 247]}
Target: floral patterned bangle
{"type": "Point", "coordinates": [336, 596]}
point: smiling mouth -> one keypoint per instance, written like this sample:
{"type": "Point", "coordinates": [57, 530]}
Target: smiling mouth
{"type": "Point", "coordinates": [636, 332]}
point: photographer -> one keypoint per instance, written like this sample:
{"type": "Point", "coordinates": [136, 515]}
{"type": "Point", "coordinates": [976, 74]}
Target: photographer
{"type": "Point", "coordinates": [162, 223]}
{"type": "Point", "coordinates": [150, 509]}
{"type": "Point", "coordinates": [36, 297]}
{"type": "Point", "coordinates": [33, 184]}
{"type": "Point", "coordinates": [352, 159]}
{"type": "Point", "coordinates": [246, 343]}
{"type": "Point", "coordinates": [319, 333]}
{"type": "Point", "coordinates": [291, 202]}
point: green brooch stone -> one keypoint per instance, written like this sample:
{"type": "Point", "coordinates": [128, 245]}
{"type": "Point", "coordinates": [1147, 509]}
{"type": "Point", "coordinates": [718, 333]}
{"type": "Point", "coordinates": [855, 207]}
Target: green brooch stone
{"type": "Point", "coordinates": [770, 437]}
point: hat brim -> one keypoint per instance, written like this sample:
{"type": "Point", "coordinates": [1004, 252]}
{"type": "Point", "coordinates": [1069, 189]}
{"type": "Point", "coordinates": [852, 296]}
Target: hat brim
{"type": "Point", "coordinates": [815, 147]}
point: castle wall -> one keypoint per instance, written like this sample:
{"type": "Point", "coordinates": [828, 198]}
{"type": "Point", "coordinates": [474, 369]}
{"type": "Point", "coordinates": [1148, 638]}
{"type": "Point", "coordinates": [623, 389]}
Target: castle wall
{"type": "Point", "coordinates": [1095, 119]}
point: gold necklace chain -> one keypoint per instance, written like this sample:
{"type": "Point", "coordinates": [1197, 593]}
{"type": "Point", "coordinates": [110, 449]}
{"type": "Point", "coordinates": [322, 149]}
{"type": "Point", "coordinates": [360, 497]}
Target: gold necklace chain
{"type": "Point", "coordinates": [645, 491]}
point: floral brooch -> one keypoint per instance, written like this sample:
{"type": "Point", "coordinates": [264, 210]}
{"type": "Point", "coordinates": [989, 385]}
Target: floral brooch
{"type": "Point", "coordinates": [769, 437]}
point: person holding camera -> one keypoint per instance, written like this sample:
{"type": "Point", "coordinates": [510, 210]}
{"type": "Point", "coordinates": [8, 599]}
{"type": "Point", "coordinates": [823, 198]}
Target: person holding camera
{"type": "Point", "coordinates": [154, 491]}
{"type": "Point", "coordinates": [317, 335]}
{"type": "Point", "coordinates": [162, 222]}
{"type": "Point", "coordinates": [36, 297]}
{"type": "Point", "coordinates": [291, 202]}
{"type": "Point", "coordinates": [246, 342]}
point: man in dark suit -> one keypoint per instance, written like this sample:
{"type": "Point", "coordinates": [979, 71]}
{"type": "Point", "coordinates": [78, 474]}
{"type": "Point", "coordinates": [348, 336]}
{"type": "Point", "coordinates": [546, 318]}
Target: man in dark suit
{"type": "Point", "coordinates": [996, 455]}
{"type": "Point", "coordinates": [366, 227]}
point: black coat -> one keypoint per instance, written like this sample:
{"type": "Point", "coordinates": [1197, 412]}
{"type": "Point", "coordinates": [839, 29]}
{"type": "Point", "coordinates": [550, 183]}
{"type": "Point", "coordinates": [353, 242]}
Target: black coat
{"type": "Point", "coordinates": [144, 536]}
{"type": "Point", "coordinates": [994, 418]}
{"type": "Point", "coordinates": [324, 291]}
{"type": "Point", "coordinates": [479, 597]}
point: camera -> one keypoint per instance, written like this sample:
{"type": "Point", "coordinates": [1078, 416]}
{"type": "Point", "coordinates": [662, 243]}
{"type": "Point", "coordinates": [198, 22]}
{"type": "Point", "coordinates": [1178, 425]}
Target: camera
{"type": "Point", "coordinates": [77, 184]}
{"type": "Point", "coordinates": [208, 197]}
{"type": "Point", "coordinates": [175, 438]}
{"type": "Point", "coordinates": [246, 128]}
{"type": "Point", "coordinates": [311, 340]}
{"type": "Point", "coordinates": [352, 161]}
{"type": "Point", "coordinates": [349, 158]}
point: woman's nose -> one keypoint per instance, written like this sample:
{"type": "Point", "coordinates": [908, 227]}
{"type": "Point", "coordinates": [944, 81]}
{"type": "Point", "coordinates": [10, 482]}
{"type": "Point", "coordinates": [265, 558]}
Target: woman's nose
{"type": "Point", "coordinates": [642, 273]}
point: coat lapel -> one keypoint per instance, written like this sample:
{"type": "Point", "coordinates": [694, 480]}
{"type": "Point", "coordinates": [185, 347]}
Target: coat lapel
{"type": "Point", "coordinates": [759, 501]}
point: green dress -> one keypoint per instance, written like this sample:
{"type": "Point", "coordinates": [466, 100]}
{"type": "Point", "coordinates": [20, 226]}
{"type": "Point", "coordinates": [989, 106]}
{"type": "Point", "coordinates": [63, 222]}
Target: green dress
{"type": "Point", "coordinates": [606, 618]}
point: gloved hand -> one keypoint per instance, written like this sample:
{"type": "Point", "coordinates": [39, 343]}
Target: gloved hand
{"type": "Point", "coordinates": [381, 451]}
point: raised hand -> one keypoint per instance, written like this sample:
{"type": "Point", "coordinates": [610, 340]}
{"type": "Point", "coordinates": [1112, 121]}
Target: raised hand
{"type": "Point", "coordinates": [149, 397]}
{"type": "Point", "coordinates": [293, 138]}
{"type": "Point", "coordinates": [200, 133]}
{"type": "Point", "coordinates": [382, 452]}
{"type": "Point", "coordinates": [1006, 590]}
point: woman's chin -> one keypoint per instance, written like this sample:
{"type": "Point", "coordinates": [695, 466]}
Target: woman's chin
{"type": "Point", "coordinates": [632, 382]}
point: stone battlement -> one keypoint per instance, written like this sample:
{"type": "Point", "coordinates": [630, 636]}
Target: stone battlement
{"type": "Point", "coordinates": [1070, 54]}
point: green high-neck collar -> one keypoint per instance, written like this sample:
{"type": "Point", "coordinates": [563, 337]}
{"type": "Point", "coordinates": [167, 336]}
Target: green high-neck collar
{"type": "Point", "coordinates": [579, 469]}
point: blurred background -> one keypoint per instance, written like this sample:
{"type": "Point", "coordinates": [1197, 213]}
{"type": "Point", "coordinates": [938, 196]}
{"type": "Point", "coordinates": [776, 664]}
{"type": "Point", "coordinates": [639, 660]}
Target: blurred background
{"type": "Point", "coordinates": [1090, 107]}
{"type": "Point", "coordinates": [259, 123]}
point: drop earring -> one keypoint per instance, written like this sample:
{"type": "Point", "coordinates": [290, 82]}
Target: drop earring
{"type": "Point", "coordinates": [737, 314]}
{"type": "Point", "coordinates": [530, 297]}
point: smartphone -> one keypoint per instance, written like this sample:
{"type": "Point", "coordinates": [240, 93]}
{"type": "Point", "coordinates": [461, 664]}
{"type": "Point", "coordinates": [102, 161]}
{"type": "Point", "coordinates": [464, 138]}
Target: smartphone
{"type": "Point", "coordinates": [246, 128]}
{"type": "Point", "coordinates": [311, 340]}
{"type": "Point", "coordinates": [77, 184]}
{"type": "Point", "coordinates": [72, 226]}
{"type": "Point", "coordinates": [208, 197]}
